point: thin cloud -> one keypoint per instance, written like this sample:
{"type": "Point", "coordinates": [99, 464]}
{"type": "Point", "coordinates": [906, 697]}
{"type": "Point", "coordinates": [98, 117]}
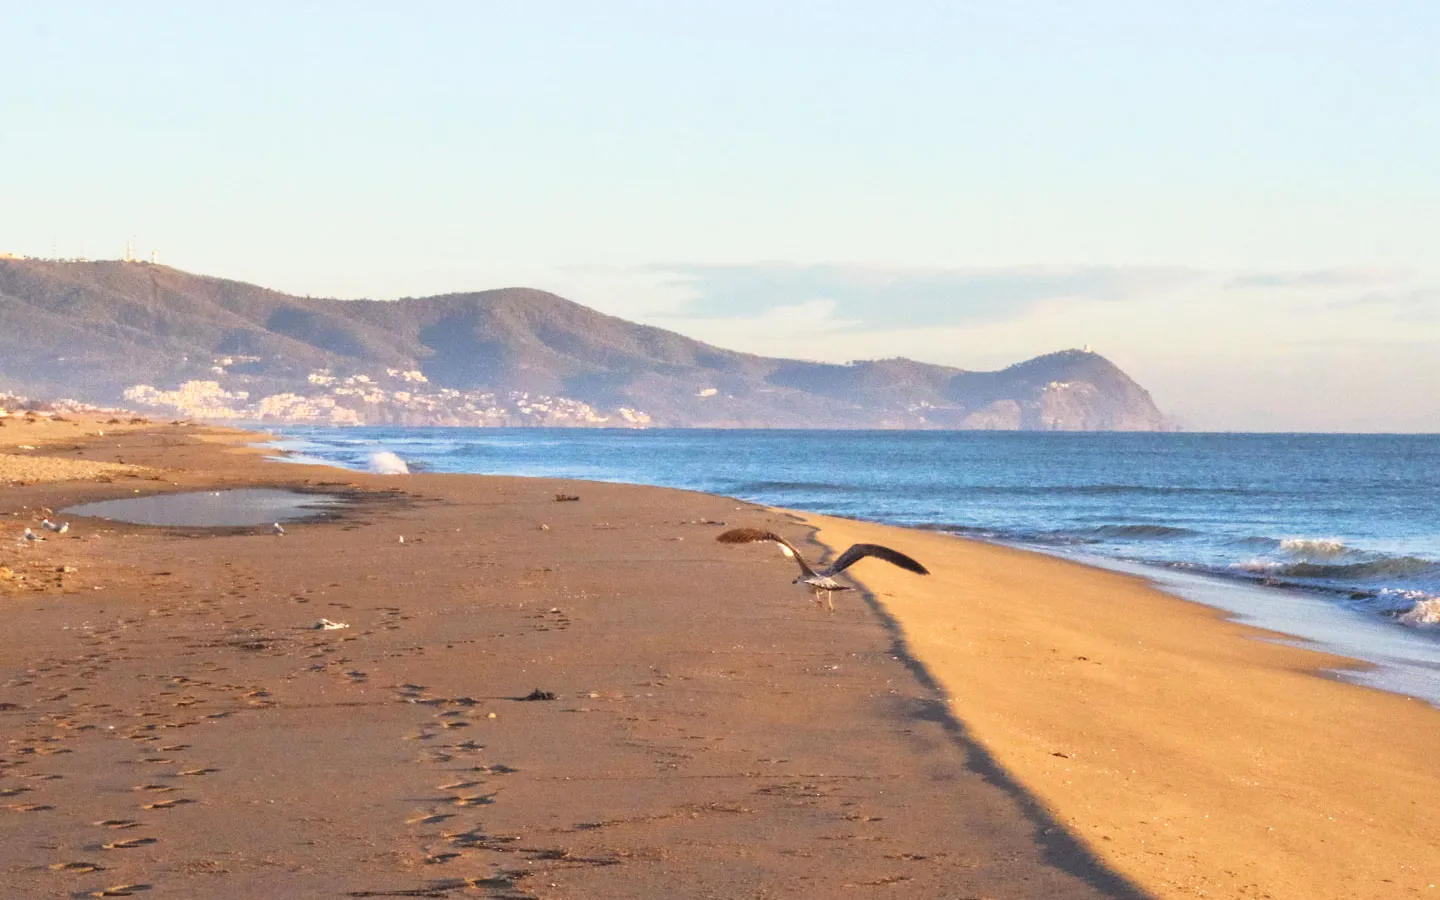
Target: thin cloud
{"type": "Point", "coordinates": [1421, 304]}
{"type": "Point", "coordinates": [1312, 278]}
{"type": "Point", "coordinates": [912, 296]}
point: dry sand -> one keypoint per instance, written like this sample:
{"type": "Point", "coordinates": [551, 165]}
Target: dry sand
{"type": "Point", "coordinates": [170, 717]}
{"type": "Point", "coordinates": [41, 449]}
{"type": "Point", "coordinates": [1191, 753]}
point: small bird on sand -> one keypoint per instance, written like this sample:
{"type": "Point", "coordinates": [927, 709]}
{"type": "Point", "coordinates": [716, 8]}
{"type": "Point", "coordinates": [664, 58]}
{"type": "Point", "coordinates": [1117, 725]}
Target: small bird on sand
{"type": "Point", "coordinates": [51, 526]}
{"type": "Point", "coordinates": [30, 537]}
{"type": "Point", "coordinates": [276, 529]}
{"type": "Point", "coordinates": [823, 582]}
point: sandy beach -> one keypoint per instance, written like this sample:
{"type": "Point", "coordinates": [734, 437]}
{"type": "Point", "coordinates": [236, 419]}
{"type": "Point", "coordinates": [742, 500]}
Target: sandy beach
{"type": "Point", "coordinates": [1012, 726]}
{"type": "Point", "coordinates": [1198, 756]}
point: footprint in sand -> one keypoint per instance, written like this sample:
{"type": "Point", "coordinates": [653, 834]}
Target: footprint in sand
{"type": "Point", "coordinates": [81, 867]}
{"type": "Point", "coordinates": [129, 844]}
{"type": "Point", "coordinates": [121, 890]}
{"type": "Point", "coordinates": [29, 807]}
{"type": "Point", "coordinates": [428, 818]}
{"type": "Point", "coordinates": [117, 823]}
{"type": "Point", "coordinates": [167, 804]}
{"type": "Point", "coordinates": [436, 858]}
{"type": "Point", "coordinates": [506, 880]}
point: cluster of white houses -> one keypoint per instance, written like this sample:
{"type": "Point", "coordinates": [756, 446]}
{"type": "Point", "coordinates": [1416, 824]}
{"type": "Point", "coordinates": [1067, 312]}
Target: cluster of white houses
{"type": "Point", "coordinates": [397, 397]}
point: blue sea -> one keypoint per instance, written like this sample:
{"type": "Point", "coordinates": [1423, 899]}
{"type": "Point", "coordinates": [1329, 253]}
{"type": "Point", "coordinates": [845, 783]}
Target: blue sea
{"type": "Point", "coordinates": [1330, 538]}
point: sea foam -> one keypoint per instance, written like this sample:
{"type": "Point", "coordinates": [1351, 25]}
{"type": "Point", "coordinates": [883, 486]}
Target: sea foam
{"type": "Point", "coordinates": [1424, 614]}
{"type": "Point", "coordinates": [387, 463]}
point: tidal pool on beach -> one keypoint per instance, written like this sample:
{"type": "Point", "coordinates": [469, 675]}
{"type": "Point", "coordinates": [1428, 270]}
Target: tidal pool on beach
{"type": "Point", "coordinates": [211, 509]}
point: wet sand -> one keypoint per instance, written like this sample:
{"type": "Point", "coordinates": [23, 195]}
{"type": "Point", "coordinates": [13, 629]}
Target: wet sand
{"type": "Point", "coordinates": [1012, 726]}
{"type": "Point", "coordinates": [172, 721]}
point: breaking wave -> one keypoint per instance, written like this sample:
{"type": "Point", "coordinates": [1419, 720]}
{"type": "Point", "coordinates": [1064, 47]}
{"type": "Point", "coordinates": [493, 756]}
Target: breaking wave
{"type": "Point", "coordinates": [1424, 614]}
{"type": "Point", "coordinates": [1315, 548]}
{"type": "Point", "coordinates": [1383, 567]}
{"type": "Point", "coordinates": [387, 463]}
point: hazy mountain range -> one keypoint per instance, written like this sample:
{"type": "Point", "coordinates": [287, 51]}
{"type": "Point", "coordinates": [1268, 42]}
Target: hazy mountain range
{"type": "Point", "coordinates": [156, 338]}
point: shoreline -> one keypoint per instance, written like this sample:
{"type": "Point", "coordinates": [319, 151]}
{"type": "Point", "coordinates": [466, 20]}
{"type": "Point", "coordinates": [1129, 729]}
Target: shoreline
{"type": "Point", "coordinates": [1016, 725]}
{"type": "Point", "coordinates": [1290, 614]}
{"type": "Point", "coordinates": [1362, 614]}
{"type": "Point", "coordinates": [1194, 753]}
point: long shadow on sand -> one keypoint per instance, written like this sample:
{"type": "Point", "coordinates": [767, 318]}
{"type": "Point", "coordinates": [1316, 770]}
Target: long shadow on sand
{"type": "Point", "coordinates": [1059, 847]}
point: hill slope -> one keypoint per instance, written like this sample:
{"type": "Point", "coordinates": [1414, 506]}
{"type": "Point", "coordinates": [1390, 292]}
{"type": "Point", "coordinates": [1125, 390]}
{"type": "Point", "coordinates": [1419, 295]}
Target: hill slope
{"type": "Point", "coordinates": [154, 336]}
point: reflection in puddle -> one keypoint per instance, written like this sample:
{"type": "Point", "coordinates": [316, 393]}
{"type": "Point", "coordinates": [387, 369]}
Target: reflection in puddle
{"type": "Point", "coordinates": [202, 509]}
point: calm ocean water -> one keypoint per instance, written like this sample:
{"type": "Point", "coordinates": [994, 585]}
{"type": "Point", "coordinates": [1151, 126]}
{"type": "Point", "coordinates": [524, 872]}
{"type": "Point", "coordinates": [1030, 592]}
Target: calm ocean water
{"type": "Point", "coordinates": [1348, 526]}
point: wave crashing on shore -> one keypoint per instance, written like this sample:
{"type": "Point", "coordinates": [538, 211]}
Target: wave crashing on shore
{"type": "Point", "coordinates": [1424, 614]}
{"type": "Point", "coordinates": [387, 463]}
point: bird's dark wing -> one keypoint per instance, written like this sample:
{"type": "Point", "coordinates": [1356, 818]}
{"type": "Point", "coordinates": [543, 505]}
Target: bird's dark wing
{"type": "Point", "coordinates": [859, 551]}
{"type": "Point", "coordinates": [750, 535]}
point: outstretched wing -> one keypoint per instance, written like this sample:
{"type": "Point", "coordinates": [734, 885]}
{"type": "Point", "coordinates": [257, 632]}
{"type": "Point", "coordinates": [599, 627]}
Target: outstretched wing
{"type": "Point", "coordinates": [858, 552]}
{"type": "Point", "coordinates": [750, 535]}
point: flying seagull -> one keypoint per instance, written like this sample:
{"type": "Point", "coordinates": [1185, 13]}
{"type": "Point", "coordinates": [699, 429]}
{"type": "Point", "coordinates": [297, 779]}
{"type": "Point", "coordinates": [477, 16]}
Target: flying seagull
{"type": "Point", "coordinates": [823, 582]}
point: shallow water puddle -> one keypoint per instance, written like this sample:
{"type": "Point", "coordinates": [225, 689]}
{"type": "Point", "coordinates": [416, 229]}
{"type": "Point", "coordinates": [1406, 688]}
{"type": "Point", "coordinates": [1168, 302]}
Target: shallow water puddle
{"type": "Point", "coordinates": [209, 509]}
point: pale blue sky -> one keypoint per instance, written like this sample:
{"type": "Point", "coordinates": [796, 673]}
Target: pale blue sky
{"type": "Point", "coordinates": [1237, 202]}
